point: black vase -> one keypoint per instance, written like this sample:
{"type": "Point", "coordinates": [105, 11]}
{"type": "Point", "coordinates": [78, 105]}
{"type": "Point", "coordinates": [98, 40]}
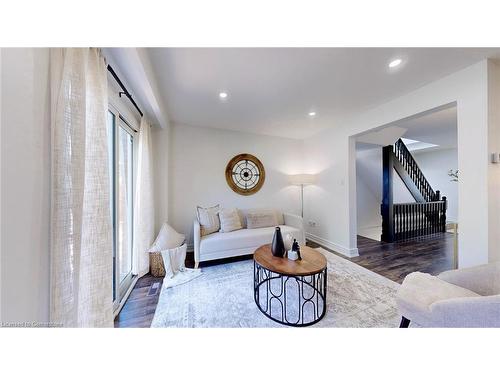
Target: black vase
{"type": "Point", "coordinates": [278, 247]}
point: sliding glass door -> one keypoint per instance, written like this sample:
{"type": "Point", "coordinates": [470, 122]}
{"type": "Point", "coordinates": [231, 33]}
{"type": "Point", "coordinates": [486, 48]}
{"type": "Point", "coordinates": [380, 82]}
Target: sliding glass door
{"type": "Point", "coordinates": [125, 204]}
{"type": "Point", "coordinates": [121, 166]}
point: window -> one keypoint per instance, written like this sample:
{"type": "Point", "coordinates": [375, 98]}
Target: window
{"type": "Point", "coordinates": [121, 167]}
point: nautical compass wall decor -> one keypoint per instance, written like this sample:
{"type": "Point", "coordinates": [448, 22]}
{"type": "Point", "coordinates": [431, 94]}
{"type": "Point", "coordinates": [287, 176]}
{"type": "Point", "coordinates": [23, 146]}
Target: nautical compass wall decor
{"type": "Point", "coordinates": [245, 174]}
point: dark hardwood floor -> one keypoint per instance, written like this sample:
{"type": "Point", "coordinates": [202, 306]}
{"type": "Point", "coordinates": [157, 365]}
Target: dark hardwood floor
{"type": "Point", "coordinates": [431, 254]}
{"type": "Point", "coordinates": [140, 308]}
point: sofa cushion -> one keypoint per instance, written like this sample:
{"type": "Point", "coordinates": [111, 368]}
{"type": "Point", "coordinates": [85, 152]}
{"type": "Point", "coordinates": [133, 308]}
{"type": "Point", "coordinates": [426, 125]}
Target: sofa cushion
{"type": "Point", "coordinates": [261, 219]}
{"type": "Point", "coordinates": [243, 215]}
{"type": "Point", "coordinates": [243, 238]}
{"type": "Point", "coordinates": [229, 220]}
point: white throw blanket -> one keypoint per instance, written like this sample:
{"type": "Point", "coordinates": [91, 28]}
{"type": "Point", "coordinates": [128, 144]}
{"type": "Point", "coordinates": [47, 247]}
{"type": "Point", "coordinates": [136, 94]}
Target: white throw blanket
{"type": "Point", "coordinates": [176, 272]}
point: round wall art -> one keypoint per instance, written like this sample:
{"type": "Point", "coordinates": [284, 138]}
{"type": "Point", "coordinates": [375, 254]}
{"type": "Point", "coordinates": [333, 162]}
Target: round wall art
{"type": "Point", "coordinates": [245, 174]}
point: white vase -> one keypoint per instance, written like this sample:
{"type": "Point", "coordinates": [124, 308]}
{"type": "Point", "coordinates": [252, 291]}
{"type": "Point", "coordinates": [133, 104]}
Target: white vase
{"type": "Point", "coordinates": [288, 241]}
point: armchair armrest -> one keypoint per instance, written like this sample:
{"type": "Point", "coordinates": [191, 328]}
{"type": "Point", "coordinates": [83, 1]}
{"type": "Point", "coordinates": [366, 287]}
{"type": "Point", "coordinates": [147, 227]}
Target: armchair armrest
{"type": "Point", "coordinates": [196, 241]}
{"type": "Point", "coordinates": [483, 280]}
{"type": "Point", "coordinates": [467, 312]}
{"type": "Point", "coordinates": [296, 221]}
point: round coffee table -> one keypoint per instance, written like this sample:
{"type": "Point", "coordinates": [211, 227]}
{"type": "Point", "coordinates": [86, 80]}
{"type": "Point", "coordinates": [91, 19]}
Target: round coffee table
{"type": "Point", "coordinates": [290, 292]}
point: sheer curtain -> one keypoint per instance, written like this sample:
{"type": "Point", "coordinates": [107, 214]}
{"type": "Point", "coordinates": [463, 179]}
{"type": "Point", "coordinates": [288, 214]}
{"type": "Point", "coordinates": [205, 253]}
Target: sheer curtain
{"type": "Point", "coordinates": [81, 228]}
{"type": "Point", "coordinates": [144, 202]}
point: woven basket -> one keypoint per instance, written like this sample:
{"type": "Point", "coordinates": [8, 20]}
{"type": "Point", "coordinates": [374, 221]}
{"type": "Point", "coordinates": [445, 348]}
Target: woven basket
{"type": "Point", "coordinates": [156, 266]}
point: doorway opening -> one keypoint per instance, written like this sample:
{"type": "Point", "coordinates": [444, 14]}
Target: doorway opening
{"type": "Point", "coordinates": [407, 195]}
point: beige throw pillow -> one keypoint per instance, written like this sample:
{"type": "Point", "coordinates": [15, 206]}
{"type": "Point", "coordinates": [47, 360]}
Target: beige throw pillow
{"type": "Point", "coordinates": [261, 219]}
{"type": "Point", "coordinates": [229, 220]}
{"type": "Point", "coordinates": [209, 219]}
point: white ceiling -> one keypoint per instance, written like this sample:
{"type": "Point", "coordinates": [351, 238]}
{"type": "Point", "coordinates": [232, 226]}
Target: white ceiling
{"type": "Point", "coordinates": [271, 90]}
{"type": "Point", "coordinates": [383, 137]}
{"type": "Point", "coordinates": [437, 127]}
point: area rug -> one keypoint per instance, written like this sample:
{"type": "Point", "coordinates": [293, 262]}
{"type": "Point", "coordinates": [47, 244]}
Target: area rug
{"type": "Point", "coordinates": [223, 297]}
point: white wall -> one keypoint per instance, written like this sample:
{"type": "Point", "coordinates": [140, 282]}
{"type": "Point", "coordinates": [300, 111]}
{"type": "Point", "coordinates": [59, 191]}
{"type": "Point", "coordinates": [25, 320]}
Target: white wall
{"type": "Point", "coordinates": [1, 89]}
{"type": "Point", "coordinates": [369, 192]}
{"type": "Point", "coordinates": [25, 191]}
{"type": "Point", "coordinates": [326, 202]}
{"type": "Point", "coordinates": [334, 202]}
{"type": "Point", "coordinates": [494, 169]}
{"type": "Point", "coordinates": [368, 206]}
{"type": "Point", "coordinates": [197, 176]}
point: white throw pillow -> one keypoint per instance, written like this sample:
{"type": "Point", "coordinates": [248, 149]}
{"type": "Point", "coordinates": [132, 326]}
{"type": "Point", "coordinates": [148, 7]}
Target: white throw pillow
{"type": "Point", "coordinates": [229, 220]}
{"type": "Point", "coordinates": [209, 219]}
{"type": "Point", "coordinates": [261, 219]}
{"type": "Point", "coordinates": [168, 238]}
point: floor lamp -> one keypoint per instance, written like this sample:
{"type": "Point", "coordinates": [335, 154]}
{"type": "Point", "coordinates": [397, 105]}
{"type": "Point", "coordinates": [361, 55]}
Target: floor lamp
{"type": "Point", "coordinates": [301, 180]}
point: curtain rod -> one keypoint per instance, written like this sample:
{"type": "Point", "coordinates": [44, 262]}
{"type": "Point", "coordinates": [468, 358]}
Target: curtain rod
{"type": "Point", "coordinates": [125, 91]}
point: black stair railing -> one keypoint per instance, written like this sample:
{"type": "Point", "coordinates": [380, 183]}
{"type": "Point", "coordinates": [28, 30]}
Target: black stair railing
{"type": "Point", "coordinates": [408, 220]}
{"type": "Point", "coordinates": [419, 219]}
{"type": "Point", "coordinates": [414, 172]}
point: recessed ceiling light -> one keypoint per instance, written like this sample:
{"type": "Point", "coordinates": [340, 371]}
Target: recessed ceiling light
{"type": "Point", "coordinates": [395, 63]}
{"type": "Point", "coordinates": [223, 95]}
{"type": "Point", "coordinates": [312, 114]}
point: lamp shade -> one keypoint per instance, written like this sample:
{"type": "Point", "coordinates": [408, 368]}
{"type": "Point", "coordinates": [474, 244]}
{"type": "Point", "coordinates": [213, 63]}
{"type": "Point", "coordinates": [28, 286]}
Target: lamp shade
{"type": "Point", "coordinates": [302, 179]}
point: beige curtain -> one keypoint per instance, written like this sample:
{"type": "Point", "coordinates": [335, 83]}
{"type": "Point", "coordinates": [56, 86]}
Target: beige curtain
{"type": "Point", "coordinates": [81, 228]}
{"type": "Point", "coordinates": [144, 202]}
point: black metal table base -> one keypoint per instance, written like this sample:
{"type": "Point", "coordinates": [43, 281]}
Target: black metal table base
{"type": "Point", "coordinates": [296, 301]}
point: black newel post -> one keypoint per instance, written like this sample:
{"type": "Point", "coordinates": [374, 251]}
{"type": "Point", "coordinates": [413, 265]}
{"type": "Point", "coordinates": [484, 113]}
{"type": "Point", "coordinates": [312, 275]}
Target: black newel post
{"type": "Point", "coordinates": [437, 196]}
{"type": "Point", "coordinates": [387, 201]}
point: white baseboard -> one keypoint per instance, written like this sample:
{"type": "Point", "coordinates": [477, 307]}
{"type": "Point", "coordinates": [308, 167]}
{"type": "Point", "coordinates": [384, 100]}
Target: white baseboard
{"type": "Point", "coordinates": [348, 252]}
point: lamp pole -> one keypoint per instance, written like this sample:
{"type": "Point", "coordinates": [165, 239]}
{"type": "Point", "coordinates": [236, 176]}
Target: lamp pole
{"type": "Point", "coordinates": [302, 200]}
{"type": "Point", "coordinates": [301, 180]}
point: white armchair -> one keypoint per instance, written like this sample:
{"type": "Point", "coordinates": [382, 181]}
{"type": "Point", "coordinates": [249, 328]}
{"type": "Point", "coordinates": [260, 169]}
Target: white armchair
{"type": "Point", "coordinates": [468, 297]}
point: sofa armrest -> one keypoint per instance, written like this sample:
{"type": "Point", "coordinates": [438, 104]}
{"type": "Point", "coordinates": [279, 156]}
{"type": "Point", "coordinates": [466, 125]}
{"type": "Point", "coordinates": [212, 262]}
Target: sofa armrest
{"type": "Point", "coordinates": [296, 221]}
{"type": "Point", "coordinates": [483, 280]}
{"type": "Point", "coordinates": [196, 240]}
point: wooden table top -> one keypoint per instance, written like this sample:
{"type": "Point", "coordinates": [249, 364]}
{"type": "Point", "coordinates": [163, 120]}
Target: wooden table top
{"type": "Point", "coordinates": [312, 262]}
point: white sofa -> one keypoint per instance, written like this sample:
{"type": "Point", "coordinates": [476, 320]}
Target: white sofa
{"type": "Point", "coordinates": [244, 241]}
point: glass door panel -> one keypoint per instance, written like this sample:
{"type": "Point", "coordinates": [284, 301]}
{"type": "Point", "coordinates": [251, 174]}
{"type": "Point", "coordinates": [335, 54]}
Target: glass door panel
{"type": "Point", "coordinates": [124, 206]}
{"type": "Point", "coordinates": [121, 182]}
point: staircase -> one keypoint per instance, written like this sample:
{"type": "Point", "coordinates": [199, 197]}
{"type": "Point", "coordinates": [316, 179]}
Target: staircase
{"type": "Point", "coordinates": [425, 216]}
